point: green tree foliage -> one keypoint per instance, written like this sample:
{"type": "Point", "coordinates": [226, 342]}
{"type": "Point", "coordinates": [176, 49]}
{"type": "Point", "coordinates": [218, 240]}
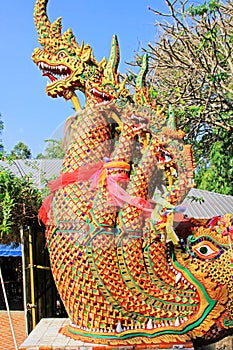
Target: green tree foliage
{"type": "Point", "coordinates": [53, 150]}
{"type": "Point", "coordinates": [20, 151]}
{"type": "Point", "coordinates": [19, 205]}
{"type": "Point", "coordinates": [217, 174]}
{"type": "Point", "coordinates": [191, 68]}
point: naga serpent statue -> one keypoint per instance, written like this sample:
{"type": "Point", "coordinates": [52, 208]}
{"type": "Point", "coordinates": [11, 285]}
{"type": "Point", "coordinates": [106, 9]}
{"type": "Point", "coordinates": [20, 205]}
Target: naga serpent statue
{"type": "Point", "coordinates": [125, 273]}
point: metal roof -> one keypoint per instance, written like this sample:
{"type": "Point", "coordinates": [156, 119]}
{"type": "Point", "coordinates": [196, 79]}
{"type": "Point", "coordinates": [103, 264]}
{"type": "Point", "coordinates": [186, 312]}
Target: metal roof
{"type": "Point", "coordinates": [39, 170]}
{"type": "Point", "coordinates": [204, 204]}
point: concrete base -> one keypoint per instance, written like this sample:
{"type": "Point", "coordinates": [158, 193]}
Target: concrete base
{"type": "Point", "coordinates": [46, 336]}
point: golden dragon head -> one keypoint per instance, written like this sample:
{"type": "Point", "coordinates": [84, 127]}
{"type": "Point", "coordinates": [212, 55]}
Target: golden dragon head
{"type": "Point", "coordinates": [205, 259]}
{"type": "Point", "coordinates": [70, 66]}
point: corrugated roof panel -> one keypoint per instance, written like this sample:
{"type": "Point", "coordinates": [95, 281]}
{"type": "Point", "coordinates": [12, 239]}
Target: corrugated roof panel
{"type": "Point", "coordinates": [214, 204]}
{"type": "Point", "coordinates": [39, 170]}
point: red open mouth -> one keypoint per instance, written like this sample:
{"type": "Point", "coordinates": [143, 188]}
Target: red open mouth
{"type": "Point", "coordinates": [101, 97]}
{"type": "Point", "coordinates": [139, 122]}
{"type": "Point", "coordinates": [54, 73]}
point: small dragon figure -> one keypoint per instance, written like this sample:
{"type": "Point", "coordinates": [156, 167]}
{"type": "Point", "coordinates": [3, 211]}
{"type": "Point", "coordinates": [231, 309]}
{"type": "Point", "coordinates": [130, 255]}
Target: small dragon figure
{"type": "Point", "coordinates": [125, 273]}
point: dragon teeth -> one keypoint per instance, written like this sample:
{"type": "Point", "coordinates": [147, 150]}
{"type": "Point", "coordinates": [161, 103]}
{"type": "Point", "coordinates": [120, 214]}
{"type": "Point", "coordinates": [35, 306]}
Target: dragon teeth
{"type": "Point", "coordinates": [177, 322]}
{"type": "Point", "coordinates": [178, 277]}
{"type": "Point", "coordinates": [60, 70]}
{"type": "Point", "coordinates": [149, 324]}
{"type": "Point", "coordinates": [119, 328]}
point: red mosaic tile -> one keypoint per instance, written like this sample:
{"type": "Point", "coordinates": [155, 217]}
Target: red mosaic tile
{"type": "Point", "coordinates": [6, 338]}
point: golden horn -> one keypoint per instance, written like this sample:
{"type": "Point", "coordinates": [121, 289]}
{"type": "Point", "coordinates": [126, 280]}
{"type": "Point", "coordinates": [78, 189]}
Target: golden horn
{"type": "Point", "coordinates": [41, 19]}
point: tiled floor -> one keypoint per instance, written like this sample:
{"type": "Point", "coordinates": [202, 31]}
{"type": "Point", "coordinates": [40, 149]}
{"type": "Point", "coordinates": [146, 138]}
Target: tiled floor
{"type": "Point", "coordinates": [46, 336]}
{"type": "Point", "coordinates": [18, 321]}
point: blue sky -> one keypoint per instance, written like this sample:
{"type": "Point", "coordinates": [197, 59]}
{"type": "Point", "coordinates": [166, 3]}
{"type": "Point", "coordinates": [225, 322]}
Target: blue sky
{"type": "Point", "coordinates": [29, 115]}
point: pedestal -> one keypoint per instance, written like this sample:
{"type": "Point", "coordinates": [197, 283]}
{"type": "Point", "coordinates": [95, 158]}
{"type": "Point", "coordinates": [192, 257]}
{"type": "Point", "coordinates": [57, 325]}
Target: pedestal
{"type": "Point", "coordinates": [46, 336]}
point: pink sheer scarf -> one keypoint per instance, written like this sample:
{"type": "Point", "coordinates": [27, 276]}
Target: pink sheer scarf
{"type": "Point", "coordinates": [117, 196]}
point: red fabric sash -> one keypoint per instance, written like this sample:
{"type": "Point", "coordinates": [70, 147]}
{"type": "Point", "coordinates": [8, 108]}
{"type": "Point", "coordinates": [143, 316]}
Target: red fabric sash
{"type": "Point", "coordinates": [117, 196]}
{"type": "Point", "coordinates": [81, 174]}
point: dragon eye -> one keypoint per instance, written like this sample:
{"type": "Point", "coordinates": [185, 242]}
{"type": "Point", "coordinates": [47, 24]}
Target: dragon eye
{"type": "Point", "coordinates": [62, 54]}
{"type": "Point", "coordinates": [206, 250]}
